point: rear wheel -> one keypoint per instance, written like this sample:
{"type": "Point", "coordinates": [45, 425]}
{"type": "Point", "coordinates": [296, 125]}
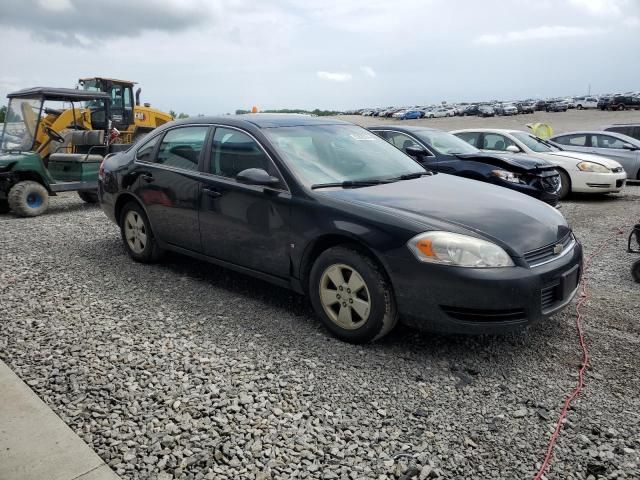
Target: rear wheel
{"type": "Point", "coordinates": [352, 296]}
{"type": "Point", "coordinates": [28, 199]}
{"type": "Point", "coordinates": [565, 187]}
{"type": "Point", "coordinates": [89, 197]}
{"type": "Point", "coordinates": [137, 236]}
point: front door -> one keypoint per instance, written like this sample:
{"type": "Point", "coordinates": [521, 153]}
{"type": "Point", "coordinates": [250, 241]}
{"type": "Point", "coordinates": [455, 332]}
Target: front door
{"type": "Point", "coordinates": [169, 184]}
{"type": "Point", "coordinates": [243, 224]}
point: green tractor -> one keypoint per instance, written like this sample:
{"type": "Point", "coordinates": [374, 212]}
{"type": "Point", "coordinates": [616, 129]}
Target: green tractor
{"type": "Point", "coordinates": [53, 140]}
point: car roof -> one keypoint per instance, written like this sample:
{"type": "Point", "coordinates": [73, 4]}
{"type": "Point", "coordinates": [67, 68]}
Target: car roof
{"type": "Point", "coordinates": [407, 128]}
{"type": "Point", "coordinates": [60, 94]}
{"type": "Point", "coordinates": [265, 120]}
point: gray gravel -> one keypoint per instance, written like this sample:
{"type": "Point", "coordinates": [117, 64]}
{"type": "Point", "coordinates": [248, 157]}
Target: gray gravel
{"type": "Point", "coordinates": [186, 370]}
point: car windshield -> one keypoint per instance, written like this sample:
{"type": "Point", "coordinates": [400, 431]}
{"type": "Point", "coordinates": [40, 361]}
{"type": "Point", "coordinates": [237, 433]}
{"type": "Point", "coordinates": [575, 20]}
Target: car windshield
{"type": "Point", "coordinates": [21, 123]}
{"type": "Point", "coordinates": [534, 143]}
{"type": "Point", "coordinates": [339, 153]}
{"type": "Point", "coordinates": [445, 143]}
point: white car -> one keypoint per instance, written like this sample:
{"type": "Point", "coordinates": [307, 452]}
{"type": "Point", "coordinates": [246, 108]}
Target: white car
{"type": "Point", "coordinates": [438, 113]}
{"type": "Point", "coordinates": [586, 102]}
{"type": "Point", "coordinates": [579, 172]}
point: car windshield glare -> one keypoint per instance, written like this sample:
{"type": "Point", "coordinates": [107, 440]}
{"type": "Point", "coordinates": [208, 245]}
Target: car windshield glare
{"type": "Point", "coordinates": [534, 143]}
{"type": "Point", "coordinates": [339, 153]}
{"type": "Point", "coordinates": [21, 123]}
{"type": "Point", "coordinates": [446, 143]}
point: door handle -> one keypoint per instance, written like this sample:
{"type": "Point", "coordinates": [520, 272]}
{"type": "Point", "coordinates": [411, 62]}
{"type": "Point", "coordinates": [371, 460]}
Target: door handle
{"type": "Point", "coordinates": [211, 192]}
{"type": "Point", "coordinates": [147, 177]}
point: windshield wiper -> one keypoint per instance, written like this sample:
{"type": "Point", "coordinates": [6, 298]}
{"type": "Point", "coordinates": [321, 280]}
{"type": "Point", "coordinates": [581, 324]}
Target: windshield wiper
{"type": "Point", "coordinates": [411, 176]}
{"type": "Point", "coordinates": [349, 184]}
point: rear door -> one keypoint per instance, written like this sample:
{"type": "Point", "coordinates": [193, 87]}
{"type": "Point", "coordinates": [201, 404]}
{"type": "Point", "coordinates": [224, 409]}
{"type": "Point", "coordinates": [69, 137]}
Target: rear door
{"type": "Point", "coordinates": [169, 184]}
{"type": "Point", "coordinates": [246, 225]}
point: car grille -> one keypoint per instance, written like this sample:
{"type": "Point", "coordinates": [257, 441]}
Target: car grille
{"type": "Point", "coordinates": [550, 295]}
{"type": "Point", "coordinates": [479, 315]}
{"type": "Point", "coordinates": [619, 183]}
{"type": "Point", "coordinates": [548, 253]}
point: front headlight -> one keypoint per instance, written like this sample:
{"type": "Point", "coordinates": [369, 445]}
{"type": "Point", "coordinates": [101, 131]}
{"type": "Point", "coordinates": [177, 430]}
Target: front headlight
{"type": "Point", "coordinates": [458, 250]}
{"type": "Point", "coordinates": [508, 176]}
{"type": "Point", "coordinates": [592, 167]}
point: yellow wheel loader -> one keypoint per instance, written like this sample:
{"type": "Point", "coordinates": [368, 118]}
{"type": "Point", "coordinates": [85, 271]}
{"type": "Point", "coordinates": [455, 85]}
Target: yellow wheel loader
{"type": "Point", "coordinates": [127, 116]}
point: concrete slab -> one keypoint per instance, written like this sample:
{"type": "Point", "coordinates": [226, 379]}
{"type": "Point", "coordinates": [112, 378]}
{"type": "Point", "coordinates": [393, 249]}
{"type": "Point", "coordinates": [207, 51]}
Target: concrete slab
{"type": "Point", "coordinates": [36, 444]}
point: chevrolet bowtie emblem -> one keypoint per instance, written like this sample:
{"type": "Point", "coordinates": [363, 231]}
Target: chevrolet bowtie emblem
{"type": "Point", "coordinates": [558, 248]}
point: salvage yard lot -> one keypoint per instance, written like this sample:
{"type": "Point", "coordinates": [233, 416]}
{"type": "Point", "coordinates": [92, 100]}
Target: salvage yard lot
{"type": "Point", "coordinates": [198, 372]}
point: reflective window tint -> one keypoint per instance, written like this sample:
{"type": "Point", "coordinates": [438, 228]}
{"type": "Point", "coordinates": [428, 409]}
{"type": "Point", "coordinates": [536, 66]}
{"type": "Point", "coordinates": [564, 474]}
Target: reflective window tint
{"type": "Point", "coordinates": [234, 151]}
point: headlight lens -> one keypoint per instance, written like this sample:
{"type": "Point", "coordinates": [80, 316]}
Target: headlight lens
{"type": "Point", "coordinates": [458, 250]}
{"type": "Point", "coordinates": [592, 167]}
{"type": "Point", "coordinates": [508, 176]}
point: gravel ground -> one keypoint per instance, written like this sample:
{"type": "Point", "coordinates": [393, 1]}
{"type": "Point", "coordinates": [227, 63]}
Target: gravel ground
{"type": "Point", "coordinates": [570, 120]}
{"type": "Point", "coordinates": [186, 370]}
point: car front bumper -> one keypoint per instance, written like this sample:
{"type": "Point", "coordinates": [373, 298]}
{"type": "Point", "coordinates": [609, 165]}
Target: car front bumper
{"type": "Point", "coordinates": [483, 301]}
{"type": "Point", "coordinates": [589, 182]}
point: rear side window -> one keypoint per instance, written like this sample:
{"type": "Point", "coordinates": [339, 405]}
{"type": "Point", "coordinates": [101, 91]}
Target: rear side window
{"type": "Point", "coordinates": [181, 147]}
{"type": "Point", "coordinates": [575, 140]}
{"type": "Point", "coordinates": [470, 137]}
{"type": "Point", "coordinates": [621, 129]}
{"type": "Point", "coordinates": [145, 152]}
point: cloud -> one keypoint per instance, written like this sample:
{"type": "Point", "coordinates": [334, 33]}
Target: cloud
{"type": "Point", "coordinates": [368, 71]}
{"type": "Point", "coordinates": [538, 33]}
{"type": "Point", "coordinates": [601, 7]}
{"type": "Point", "coordinates": [632, 21]}
{"type": "Point", "coordinates": [334, 76]}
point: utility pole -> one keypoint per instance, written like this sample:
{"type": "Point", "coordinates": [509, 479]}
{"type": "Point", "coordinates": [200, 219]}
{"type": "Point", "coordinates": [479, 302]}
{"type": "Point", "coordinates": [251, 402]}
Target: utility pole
{"type": "Point", "coordinates": [589, 93]}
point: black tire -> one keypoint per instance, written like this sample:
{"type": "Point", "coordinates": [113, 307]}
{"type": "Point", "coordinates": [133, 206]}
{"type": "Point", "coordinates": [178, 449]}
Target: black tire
{"type": "Point", "coordinates": [88, 197]}
{"type": "Point", "coordinates": [4, 206]}
{"type": "Point", "coordinates": [579, 107]}
{"type": "Point", "coordinates": [148, 253]}
{"type": "Point", "coordinates": [377, 290]}
{"type": "Point", "coordinates": [565, 188]}
{"type": "Point", "coordinates": [620, 107]}
{"type": "Point", "coordinates": [28, 199]}
{"type": "Point", "coordinates": [635, 271]}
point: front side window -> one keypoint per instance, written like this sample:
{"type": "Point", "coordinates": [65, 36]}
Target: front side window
{"type": "Point", "coordinates": [181, 147]}
{"type": "Point", "coordinates": [145, 152]}
{"type": "Point", "coordinates": [470, 137]}
{"type": "Point", "coordinates": [495, 141]}
{"type": "Point", "coordinates": [234, 151]}
{"type": "Point", "coordinates": [606, 141]}
{"type": "Point", "coordinates": [401, 140]}
{"type": "Point", "coordinates": [338, 153]}
{"type": "Point", "coordinates": [577, 140]}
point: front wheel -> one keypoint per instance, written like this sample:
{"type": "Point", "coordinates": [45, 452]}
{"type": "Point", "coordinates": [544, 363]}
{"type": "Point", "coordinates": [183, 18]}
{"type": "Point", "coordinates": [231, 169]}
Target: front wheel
{"type": "Point", "coordinates": [137, 236]}
{"type": "Point", "coordinates": [565, 185]}
{"type": "Point", "coordinates": [88, 197]}
{"type": "Point", "coordinates": [352, 296]}
{"type": "Point", "coordinates": [28, 199]}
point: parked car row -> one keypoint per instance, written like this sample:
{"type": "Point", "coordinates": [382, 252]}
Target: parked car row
{"type": "Point", "coordinates": [630, 100]}
{"type": "Point", "coordinates": [341, 214]}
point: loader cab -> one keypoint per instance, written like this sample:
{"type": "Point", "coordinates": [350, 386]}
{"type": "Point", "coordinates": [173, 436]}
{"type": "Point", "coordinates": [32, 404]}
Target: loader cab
{"type": "Point", "coordinates": [122, 100]}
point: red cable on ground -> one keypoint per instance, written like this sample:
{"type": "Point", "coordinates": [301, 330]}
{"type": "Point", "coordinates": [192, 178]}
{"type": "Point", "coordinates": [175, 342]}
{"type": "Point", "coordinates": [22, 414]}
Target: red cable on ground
{"type": "Point", "coordinates": [584, 296]}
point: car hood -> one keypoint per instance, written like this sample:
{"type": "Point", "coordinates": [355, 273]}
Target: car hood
{"type": "Point", "coordinates": [583, 157]}
{"type": "Point", "coordinates": [513, 220]}
{"type": "Point", "coordinates": [521, 162]}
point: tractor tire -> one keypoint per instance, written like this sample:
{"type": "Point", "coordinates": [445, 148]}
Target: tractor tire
{"type": "Point", "coordinates": [28, 199]}
{"type": "Point", "coordinates": [4, 206]}
{"type": "Point", "coordinates": [88, 197]}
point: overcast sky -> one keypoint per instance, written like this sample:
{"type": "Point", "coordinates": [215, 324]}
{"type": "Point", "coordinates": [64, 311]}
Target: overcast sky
{"type": "Point", "coordinates": [214, 56]}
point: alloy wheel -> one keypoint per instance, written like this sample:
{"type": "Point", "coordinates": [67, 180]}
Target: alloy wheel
{"type": "Point", "coordinates": [344, 296]}
{"type": "Point", "coordinates": [135, 232]}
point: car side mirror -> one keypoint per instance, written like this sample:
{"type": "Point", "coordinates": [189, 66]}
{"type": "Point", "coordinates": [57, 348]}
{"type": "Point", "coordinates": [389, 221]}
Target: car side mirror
{"type": "Point", "coordinates": [416, 151]}
{"type": "Point", "coordinates": [513, 149]}
{"type": "Point", "coordinates": [257, 176]}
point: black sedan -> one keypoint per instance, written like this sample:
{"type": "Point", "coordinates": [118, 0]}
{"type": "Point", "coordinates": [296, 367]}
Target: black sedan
{"type": "Point", "coordinates": [329, 209]}
{"type": "Point", "coordinates": [443, 152]}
